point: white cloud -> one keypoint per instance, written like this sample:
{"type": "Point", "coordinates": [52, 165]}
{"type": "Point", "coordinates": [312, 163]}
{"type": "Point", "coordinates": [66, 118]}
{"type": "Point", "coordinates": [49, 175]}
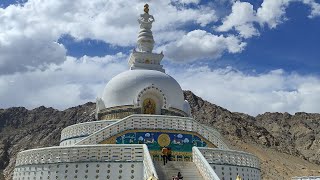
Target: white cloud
{"type": "Point", "coordinates": [241, 18]}
{"type": "Point", "coordinates": [23, 54]}
{"type": "Point", "coordinates": [207, 16]}
{"type": "Point", "coordinates": [114, 22]}
{"type": "Point", "coordinates": [275, 91]}
{"type": "Point", "coordinates": [80, 80]}
{"type": "Point", "coordinates": [199, 44]}
{"type": "Point", "coordinates": [29, 32]}
{"type": "Point", "coordinates": [272, 12]}
{"type": "Point", "coordinates": [315, 8]}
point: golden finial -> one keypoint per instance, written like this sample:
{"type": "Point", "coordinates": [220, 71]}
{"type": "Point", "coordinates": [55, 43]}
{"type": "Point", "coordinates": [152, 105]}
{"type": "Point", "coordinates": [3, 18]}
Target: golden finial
{"type": "Point", "coordinates": [146, 8]}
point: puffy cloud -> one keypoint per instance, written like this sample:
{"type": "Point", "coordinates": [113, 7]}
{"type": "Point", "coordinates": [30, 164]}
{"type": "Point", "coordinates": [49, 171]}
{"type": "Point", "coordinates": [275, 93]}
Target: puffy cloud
{"type": "Point", "coordinates": [207, 16]}
{"type": "Point", "coordinates": [29, 32]}
{"type": "Point", "coordinates": [23, 54]}
{"type": "Point", "coordinates": [275, 91]}
{"type": "Point", "coordinates": [315, 8]}
{"type": "Point", "coordinates": [241, 18]}
{"type": "Point", "coordinates": [272, 13]}
{"type": "Point", "coordinates": [115, 22]}
{"type": "Point", "coordinates": [199, 44]}
{"type": "Point", "coordinates": [81, 80]}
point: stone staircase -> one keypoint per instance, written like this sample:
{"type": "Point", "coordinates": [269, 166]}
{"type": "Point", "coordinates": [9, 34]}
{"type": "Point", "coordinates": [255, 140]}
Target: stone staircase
{"type": "Point", "coordinates": [188, 170]}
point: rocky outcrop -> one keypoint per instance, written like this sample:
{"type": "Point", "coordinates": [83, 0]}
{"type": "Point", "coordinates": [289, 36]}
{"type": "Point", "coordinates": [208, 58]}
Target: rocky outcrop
{"type": "Point", "coordinates": [232, 125]}
{"type": "Point", "coordinates": [279, 139]}
{"type": "Point", "coordinates": [22, 129]}
{"type": "Point", "coordinates": [299, 134]}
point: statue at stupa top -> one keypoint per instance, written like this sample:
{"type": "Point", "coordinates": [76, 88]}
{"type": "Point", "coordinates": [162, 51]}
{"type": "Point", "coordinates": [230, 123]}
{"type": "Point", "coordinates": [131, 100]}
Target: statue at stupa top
{"type": "Point", "coordinates": [145, 37]}
{"type": "Point", "coordinates": [142, 56]}
{"type": "Point", "coordinates": [146, 18]}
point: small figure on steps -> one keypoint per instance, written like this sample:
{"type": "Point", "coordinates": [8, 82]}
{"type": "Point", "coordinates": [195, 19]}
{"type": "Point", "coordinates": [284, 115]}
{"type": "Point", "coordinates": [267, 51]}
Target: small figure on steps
{"type": "Point", "coordinates": [164, 155]}
{"type": "Point", "coordinates": [178, 177]}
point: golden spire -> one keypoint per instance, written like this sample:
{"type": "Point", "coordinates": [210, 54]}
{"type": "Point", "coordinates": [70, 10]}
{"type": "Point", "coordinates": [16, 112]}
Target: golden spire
{"type": "Point", "coordinates": [146, 8]}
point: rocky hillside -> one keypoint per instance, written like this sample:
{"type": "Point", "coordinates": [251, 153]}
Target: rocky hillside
{"type": "Point", "coordinates": [22, 129]}
{"type": "Point", "coordinates": [297, 134]}
{"type": "Point", "coordinates": [287, 145]}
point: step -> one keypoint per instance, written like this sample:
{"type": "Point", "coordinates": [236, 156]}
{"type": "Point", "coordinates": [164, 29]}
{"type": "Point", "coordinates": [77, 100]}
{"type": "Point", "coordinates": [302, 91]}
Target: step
{"type": "Point", "coordinates": [188, 170]}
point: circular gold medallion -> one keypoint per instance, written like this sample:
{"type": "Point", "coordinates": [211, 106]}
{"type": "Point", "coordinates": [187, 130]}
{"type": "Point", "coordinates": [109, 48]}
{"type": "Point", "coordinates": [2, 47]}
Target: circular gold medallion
{"type": "Point", "coordinates": [164, 140]}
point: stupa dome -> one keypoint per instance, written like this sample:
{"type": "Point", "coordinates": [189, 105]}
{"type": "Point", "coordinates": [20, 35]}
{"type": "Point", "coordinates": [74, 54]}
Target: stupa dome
{"type": "Point", "coordinates": [128, 87]}
{"type": "Point", "coordinates": [145, 88]}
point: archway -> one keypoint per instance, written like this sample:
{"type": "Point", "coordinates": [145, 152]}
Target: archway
{"type": "Point", "coordinates": [157, 99]}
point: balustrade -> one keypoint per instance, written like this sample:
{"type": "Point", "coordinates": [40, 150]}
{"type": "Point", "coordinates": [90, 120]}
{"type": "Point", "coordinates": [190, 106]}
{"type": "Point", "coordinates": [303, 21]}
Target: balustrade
{"type": "Point", "coordinates": [70, 154]}
{"type": "Point", "coordinates": [203, 166]}
{"type": "Point", "coordinates": [155, 122]}
{"type": "Point", "coordinates": [230, 157]}
{"type": "Point", "coordinates": [83, 129]}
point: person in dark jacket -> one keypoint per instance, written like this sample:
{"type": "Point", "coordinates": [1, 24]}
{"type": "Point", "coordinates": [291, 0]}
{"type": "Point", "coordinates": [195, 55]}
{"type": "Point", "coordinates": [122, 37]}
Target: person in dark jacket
{"type": "Point", "coordinates": [164, 155]}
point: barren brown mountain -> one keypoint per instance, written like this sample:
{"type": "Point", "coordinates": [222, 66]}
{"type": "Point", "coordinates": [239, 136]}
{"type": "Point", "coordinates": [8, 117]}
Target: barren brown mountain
{"type": "Point", "coordinates": [287, 145]}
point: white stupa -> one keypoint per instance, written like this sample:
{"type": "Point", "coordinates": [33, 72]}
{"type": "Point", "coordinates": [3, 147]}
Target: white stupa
{"type": "Point", "coordinates": [141, 111]}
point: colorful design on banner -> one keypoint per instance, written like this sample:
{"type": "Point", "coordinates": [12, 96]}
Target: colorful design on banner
{"type": "Point", "coordinates": [156, 140]}
{"type": "Point", "coordinates": [164, 140]}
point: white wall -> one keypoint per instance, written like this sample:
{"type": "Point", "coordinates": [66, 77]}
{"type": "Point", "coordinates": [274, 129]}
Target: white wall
{"type": "Point", "coordinates": [229, 172]}
{"type": "Point", "coordinates": [83, 170]}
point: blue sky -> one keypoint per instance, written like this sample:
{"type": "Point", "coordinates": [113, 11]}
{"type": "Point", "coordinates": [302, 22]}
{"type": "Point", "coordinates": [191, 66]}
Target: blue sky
{"type": "Point", "coordinates": [264, 53]}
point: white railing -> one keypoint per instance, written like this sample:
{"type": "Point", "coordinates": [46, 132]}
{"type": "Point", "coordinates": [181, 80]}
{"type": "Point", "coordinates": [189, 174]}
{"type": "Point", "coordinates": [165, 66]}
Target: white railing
{"type": "Point", "coordinates": [86, 153]}
{"type": "Point", "coordinates": [148, 165]}
{"type": "Point", "coordinates": [84, 129]}
{"type": "Point", "coordinates": [155, 122]}
{"type": "Point", "coordinates": [90, 153]}
{"type": "Point", "coordinates": [203, 166]}
{"type": "Point", "coordinates": [231, 157]}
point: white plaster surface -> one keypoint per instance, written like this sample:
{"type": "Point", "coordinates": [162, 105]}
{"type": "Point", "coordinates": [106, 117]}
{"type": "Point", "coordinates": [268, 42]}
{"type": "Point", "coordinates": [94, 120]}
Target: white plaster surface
{"type": "Point", "coordinates": [124, 88]}
{"type": "Point", "coordinates": [81, 170]}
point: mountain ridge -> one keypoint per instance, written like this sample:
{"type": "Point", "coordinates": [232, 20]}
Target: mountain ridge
{"type": "Point", "coordinates": [267, 135]}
